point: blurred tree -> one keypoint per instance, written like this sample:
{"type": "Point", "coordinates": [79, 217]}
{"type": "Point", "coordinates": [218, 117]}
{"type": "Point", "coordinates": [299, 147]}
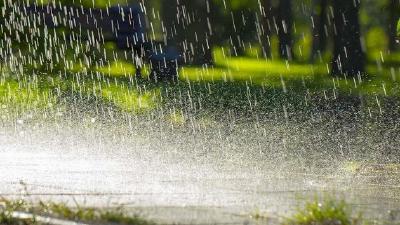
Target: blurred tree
{"type": "Point", "coordinates": [2, 39]}
{"type": "Point", "coordinates": [398, 28]}
{"type": "Point", "coordinates": [238, 22]}
{"type": "Point", "coordinates": [285, 26]}
{"type": "Point", "coordinates": [169, 13]}
{"type": "Point", "coordinates": [188, 24]}
{"type": "Point", "coordinates": [267, 15]}
{"type": "Point", "coordinates": [86, 3]}
{"type": "Point", "coordinates": [243, 30]}
{"type": "Point", "coordinates": [348, 55]}
{"type": "Point", "coordinates": [319, 28]}
{"type": "Point", "coordinates": [394, 9]}
{"type": "Point", "coordinates": [201, 33]}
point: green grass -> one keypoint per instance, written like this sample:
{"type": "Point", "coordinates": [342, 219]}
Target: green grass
{"type": "Point", "coordinates": [327, 212]}
{"type": "Point", "coordinates": [118, 68]}
{"type": "Point", "coordinates": [62, 211]}
{"type": "Point", "coordinates": [6, 210]}
{"type": "Point", "coordinates": [129, 99]}
{"type": "Point", "coordinates": [382, 81]}
{"type": "Point", "coordinates": [233, 75]}
{"type": "Point", "coordinates": [231, 83]}
{"type": "Point", "coordinates": [26, 95]}
{"type": "Point", "coordinates": [88, 3]}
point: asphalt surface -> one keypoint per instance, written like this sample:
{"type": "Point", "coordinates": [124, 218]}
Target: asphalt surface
{"type": "Point", "coordinates": [176, 182]}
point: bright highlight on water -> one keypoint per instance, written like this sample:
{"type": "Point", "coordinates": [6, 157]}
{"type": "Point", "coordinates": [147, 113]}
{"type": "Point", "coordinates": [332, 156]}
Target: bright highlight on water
{"type": "Point", "coordinates": [200, 112]}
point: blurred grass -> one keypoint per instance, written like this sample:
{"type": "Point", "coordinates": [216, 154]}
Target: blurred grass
{"type": "Point", "coordinates": [118, 68]}
{"type": "Point", "coordinates": [63, 211]}
{"type": "Point", "coordinates": [24, 95]}
{"type": "Point", "coordinates": [256, 71]}
{"type": "Point", "coordinates": [381, 81]}
{"type": "Point", "coordinates": [230, 82]}
{"type": "Point", "coordinates": [86, 3]}
{"type": "Point", "coordinates": [324, 212]}
{"type": "Point", "coordinates": [129, 99]}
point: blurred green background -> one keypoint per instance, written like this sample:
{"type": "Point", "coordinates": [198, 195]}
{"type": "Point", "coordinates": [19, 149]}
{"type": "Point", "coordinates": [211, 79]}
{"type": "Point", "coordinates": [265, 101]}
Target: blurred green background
{"type": "Point", "coordinates": [278, 44]}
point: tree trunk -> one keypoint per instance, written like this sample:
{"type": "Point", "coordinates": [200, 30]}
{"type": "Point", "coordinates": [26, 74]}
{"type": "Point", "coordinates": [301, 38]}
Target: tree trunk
{"type": "Point", "coordinates": [236, 33]}
{"type": "Point", "coordinates": [348, 56]}
{"type": "Point", "coordinates": [170, 26]}
{"type": "Point", "coordinates": [394, 8]}
{"type": "Point", "coordinates": [205, 38]}
{"type": "Point", "coordinates": [285, 25]}
{"type": "Point", "coordinates": [188, 26]}
{"type": "Point", "coordinates": [267, 24]}
{"type": "Point", "coordinates": [319, 28]}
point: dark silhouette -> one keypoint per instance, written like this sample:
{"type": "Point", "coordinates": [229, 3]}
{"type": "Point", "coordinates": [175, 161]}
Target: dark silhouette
{"type": "Point", "coordinates": [124, 25]}
{"type": "Point", "coordinates": [285, 26]}
{"type": "Point", "coordinates": [348, 55]}
{"type": "Point", "coordinates": [188, 25]}
{"type": "Point", "coordinates": [393, 9]}
{"type": "Point", "coordinates": [267, 15]}
{"type": "Point", "coordinates": [319, 28]}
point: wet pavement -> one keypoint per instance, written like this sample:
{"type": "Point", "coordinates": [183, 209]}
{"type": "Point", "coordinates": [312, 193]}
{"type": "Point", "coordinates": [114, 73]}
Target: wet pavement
{"type": "Point", "coordinates": [172, 182]}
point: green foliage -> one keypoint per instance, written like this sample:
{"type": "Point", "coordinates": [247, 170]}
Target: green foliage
{"type": "Point", "coordinates": [24, 95]}
{"type": "Point", "coordinates": [376, 40]}
{"type": "Point", "coordinates": [237, 4]}
{"type": "Point", "coordinates": [63, 211]}
{"type": "Point", "coordinates": [78, 213]}
{"type": "Point", "coordinates": [328, 212]}
{"type": "Point", "coordinates": [118, 68]}
{"type": "Point", "coordinates": [8, 207]}
{"type": "Point", "coordinates": [130, 100]}
{"type": "Point", "coordinates": [398, 28]}
{"type": "Point", "coordinates": [302, 47]}
{"type": "Point", "coordinates": [86, 3]}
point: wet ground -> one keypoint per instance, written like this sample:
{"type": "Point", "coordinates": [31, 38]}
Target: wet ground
{"type": "Point", "coordinates": [215, 174]}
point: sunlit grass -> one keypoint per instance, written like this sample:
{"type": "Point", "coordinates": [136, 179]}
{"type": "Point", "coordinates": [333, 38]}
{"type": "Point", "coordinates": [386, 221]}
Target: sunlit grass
{"type": "Point", "coordinates": [249, 71]}
{"type": "Point", "coordinates": [87, 3]}
{"type": "Point", "coordinates": [255, 71]}
{"type": "Point", "coordinates": [379, 81]}
{"type": "Point", "coordinates": [325, 212]}
{"type": "Point", "coordinates": [129, 99]}
{"type": "Point", "coordinates": [266, 67]}
{"type": "Point", "coordinates": [63, 211]}
{"type": "Point", "coordinates": [25, 95]}
{"type": "Point", "coordinates": [121, 68]}
{"type": "Point", "coordinates": [118, 68]}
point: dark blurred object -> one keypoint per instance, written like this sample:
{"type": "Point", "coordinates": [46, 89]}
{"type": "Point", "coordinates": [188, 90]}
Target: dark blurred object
{"type": "Point", "coordinates": [124, 25]}
{"type": "Point", "coordinates": [393, 9]}
{"type": "Point", "coordinates": [164, 64]}
{"type": "Point", "coordinates": [348, 55]}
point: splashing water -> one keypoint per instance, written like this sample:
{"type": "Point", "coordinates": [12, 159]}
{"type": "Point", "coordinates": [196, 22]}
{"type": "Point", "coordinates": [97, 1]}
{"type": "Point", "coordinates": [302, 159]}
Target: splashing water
{"type": "Point", "coordinates": [219, 144]}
